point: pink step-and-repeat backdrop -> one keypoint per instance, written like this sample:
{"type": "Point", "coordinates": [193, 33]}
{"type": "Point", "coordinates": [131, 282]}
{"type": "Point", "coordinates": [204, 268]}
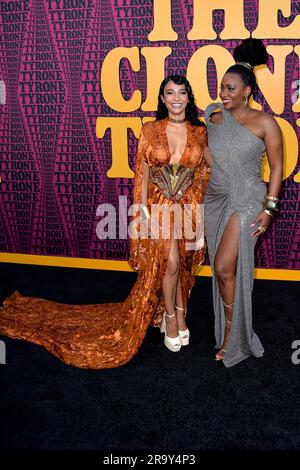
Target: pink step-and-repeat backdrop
{"type": "Point", "coordinates": [80, 75]}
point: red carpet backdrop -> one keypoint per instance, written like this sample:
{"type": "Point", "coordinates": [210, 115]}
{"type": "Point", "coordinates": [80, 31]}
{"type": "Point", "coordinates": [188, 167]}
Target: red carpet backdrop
{"type": "Point", "coordinates": [80, 78]}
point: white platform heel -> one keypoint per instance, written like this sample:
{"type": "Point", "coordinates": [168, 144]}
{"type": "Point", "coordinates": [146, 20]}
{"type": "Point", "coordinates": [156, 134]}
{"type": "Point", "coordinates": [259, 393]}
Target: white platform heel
{"type": "Point", "coordinates": [173, 344]}
{"type": "Point", "coordinates": [184, 335]}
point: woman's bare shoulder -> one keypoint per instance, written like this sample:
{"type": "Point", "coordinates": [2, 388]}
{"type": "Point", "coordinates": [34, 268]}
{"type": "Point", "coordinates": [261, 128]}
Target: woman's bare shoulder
{"type": "Point", "coordinates": [266, 121]}
{"type": "Point", "coordinates": [262, 116]}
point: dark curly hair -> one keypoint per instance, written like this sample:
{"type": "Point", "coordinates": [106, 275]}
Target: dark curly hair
{"type": "Point", "coordinates": [191, 113]}
{"type": "Point", "coordinates": [253, 52]}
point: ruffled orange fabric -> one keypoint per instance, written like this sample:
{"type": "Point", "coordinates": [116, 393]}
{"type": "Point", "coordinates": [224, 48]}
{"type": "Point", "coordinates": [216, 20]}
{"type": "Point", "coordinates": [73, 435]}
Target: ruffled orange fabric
{"type": "Point", "coordinates": [109, 335]}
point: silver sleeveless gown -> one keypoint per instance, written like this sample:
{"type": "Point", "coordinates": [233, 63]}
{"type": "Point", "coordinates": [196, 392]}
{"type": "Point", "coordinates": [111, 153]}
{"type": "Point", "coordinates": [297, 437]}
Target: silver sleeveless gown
{"type": "Point", "coordinates": [235, 186]}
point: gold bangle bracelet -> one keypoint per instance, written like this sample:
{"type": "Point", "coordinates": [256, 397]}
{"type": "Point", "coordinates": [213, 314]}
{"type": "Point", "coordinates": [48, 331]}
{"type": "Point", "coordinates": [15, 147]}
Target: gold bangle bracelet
{"type": "Point", "coordinates": [273, 206]}
{"type": "Point", "coordinates": [270, 213]}
{"type": "Point", "coordinates": [271, 198]}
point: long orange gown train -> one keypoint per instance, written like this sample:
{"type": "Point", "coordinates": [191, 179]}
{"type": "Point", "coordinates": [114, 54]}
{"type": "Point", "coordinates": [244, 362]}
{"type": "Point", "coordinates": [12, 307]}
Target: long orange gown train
{"type": "Point", "coordinates": [109, 335]}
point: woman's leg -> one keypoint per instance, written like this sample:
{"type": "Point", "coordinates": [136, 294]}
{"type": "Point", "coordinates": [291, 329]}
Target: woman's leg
{"type": "Point", "coordinates": [225, 270]}
{"type": "Point", "coordinates": [169, 288]}
{"type": "Point", "coordinates": [181, 310]}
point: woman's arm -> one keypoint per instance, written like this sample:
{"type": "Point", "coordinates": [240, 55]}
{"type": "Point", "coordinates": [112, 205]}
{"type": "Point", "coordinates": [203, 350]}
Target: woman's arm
{"type": "Point", "coordinates": [140, 196]}
{"type": "Point", "coordinates": [208, 157]}
{"type": "Point", "coordinates": [274, 149]}
{"type": "Point", "coordinates": [145, 181]}
{"type": "Point", "coordinates": [141, 179]}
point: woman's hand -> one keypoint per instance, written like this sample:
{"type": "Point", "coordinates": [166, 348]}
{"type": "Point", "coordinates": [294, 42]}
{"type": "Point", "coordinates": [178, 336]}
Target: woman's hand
{"type": "Point", "coordinates": [263, 221]}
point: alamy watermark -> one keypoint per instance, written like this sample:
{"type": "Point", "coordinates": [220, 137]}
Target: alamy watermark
{"type": "Point", "coordinates": [2, 352]}
{"type": "Point", "coordinates": [177, 220]}
{"type": "Point", "coordinates": [296, 354]}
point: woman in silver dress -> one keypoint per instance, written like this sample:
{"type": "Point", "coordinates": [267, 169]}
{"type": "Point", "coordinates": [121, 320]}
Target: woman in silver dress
{"type": "Point", "coordinates": [238, 208]}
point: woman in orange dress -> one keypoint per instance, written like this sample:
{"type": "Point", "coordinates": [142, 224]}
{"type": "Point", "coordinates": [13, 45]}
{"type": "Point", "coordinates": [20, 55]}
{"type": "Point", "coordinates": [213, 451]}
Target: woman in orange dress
{"type": "Point", "coordinates": [167, 247]}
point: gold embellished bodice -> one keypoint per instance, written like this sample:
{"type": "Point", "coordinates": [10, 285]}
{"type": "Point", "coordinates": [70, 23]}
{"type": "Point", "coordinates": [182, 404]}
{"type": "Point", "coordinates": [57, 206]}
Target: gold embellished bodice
{"type": "Point", "coordinates": [172, 179]}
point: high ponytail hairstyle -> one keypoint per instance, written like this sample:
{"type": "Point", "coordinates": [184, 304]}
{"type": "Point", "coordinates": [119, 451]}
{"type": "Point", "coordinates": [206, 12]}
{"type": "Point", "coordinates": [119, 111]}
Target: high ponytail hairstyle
{"type": "Point", "coordinates": [191, 112]}
{"type": "Point", "coordinates": [250, 53]}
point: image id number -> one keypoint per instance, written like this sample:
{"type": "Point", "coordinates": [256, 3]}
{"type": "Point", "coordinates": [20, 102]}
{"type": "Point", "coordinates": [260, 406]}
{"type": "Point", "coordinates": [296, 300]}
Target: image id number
{"type": "Point", "coordinates": [164, 459]}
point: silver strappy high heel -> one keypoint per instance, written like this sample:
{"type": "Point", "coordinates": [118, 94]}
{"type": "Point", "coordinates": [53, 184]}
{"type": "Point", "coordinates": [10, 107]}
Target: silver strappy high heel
{"type": "Point", "coordinates": [221, 353]}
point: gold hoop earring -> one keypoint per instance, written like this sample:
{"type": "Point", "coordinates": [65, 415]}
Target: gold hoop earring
{"type": "Point", "coordinates": [246, 100]}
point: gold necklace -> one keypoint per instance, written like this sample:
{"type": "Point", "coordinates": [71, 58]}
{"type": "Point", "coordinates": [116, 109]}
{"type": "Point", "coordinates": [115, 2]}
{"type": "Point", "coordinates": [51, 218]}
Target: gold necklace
{"type": "Point", "coordinates": [177, 121]}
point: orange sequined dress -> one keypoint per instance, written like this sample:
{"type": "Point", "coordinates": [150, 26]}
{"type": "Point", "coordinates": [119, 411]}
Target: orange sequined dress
{"type": "Point", "coordinates": [109, 335]}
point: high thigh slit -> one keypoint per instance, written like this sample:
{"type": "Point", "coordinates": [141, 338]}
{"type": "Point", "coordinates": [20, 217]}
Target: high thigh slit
{"type": "Point", "coordinates": [109, 335]}
{"type": "Point", "coordinates": [235, 187]}
{"type": "Point", "coordinates": [222, 319]}
{"type": "Point", "coordinates": [170, 281]}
